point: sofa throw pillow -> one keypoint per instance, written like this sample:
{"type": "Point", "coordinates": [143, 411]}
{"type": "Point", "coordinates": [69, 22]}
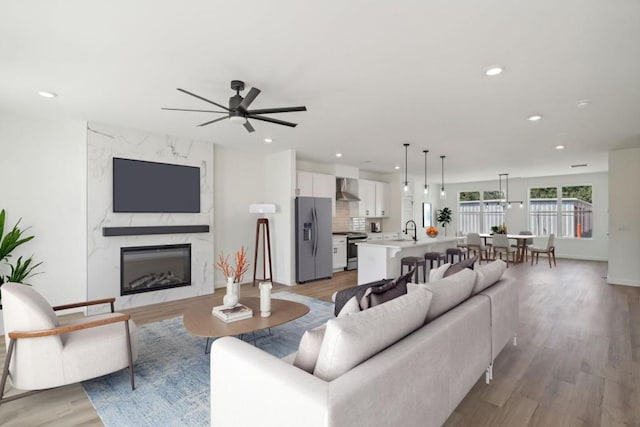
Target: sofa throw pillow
{"type": "Point", "coordinates": [459, 266]}
{"type": "Point", "coordinates": [438, 273]}
{"type": "Point", "coordinates": [350, 340]}
{"type": "Point", "coordinates": [345, 295]}
{"type": "Point", "coordinates": [309, 349]}
{"type": "Point", "coordinates": [449, 292]}
{"type": "Point", "coordinates": [351, 306]}
{"type": "Point", "coordinates": [488, 274]}
{"type": "Point", "coordinates": [377, 295]}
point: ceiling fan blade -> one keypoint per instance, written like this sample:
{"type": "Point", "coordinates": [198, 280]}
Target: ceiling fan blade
{"type": "Point", "coordinates": [248, 127]}
{"type": "Point", "coordinates": [204, 99]}
{"type": "Point", "coordinates": [270, 120]}
{"type": "Point", "coordinates": [213, 121]}
{"type": "Point", "coordinates": [277, 110]}
{"type": "Point", "coordinates": [198, 111]}
{"type": "Point", "coordinates": [253, 93]}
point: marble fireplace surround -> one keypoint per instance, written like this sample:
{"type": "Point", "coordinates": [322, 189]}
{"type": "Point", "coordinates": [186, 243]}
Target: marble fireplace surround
{"type": "Point", "coordinates": [103, 249]}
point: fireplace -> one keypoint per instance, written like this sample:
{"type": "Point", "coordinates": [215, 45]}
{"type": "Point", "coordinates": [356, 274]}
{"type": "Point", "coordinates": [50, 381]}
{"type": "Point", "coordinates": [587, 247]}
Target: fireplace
{"type": "Point", "coordinates": [151, 268]}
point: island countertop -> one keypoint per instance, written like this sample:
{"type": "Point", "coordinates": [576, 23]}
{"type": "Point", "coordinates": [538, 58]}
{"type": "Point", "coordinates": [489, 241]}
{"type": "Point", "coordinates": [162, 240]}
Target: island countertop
{"type": "Point", "coordinates": [408, 243]}
{"type": "Point", "coordinates": [380, 259]}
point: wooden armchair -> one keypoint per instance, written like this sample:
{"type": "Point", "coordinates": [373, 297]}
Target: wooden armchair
{"type": "Point", "coordinates": [42, 353]}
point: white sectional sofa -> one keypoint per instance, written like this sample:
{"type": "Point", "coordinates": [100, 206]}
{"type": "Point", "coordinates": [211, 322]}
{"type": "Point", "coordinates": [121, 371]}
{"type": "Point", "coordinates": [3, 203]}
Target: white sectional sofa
{"type": "Point", "coordinates": [417, 381]}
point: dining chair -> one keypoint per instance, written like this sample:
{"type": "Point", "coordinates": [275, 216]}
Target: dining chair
{"type": "Point", "coordinates": [475, 244]}
{"type": "Point", "coordinates": [550, 250]}
{"type": "Point", "coordinates": [501, 245]}
{"type": "Point", "coordinates": [522, 245]}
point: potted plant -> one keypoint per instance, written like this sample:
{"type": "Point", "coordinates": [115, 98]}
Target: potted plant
{"type": "Point", "coordinates": [21, 270]}
{"type": "Point", "coordinates": [444, 218]}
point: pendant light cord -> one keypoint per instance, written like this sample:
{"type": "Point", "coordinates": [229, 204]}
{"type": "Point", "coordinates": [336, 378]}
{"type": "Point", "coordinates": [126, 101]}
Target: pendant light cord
{"type": "Point", "coordinates": [442, 157]}
{"type": "Point", "coordinates": [426, 185]}
{"type": "Point", "coordinates": [406, 181]}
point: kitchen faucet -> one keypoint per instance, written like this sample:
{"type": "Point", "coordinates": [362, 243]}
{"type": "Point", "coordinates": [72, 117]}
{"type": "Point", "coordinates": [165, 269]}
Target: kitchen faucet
{"type": "Point", "coordinates": [415, 229]}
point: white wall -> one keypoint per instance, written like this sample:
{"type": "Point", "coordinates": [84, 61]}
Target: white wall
{"type": "Point", "coordinates": [280, 180]}
{"type": "Point", "coordinates": [624, 217]}
{"type": "Point", "coordinates": [43, 164]}
{"type": "Point", "coordinates": [239, 182]}
{"type": "Point", "coordinates": [105, 142]}
{"type": "Point", "coordinates": [595, 248]}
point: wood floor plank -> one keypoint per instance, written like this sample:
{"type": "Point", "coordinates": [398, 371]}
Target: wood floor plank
{"type": "Point", "coordinates": [577, 362]}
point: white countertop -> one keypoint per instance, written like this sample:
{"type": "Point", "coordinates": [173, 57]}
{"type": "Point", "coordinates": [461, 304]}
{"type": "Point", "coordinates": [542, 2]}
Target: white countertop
{"type": "Point", "coordinates": [407, 243]}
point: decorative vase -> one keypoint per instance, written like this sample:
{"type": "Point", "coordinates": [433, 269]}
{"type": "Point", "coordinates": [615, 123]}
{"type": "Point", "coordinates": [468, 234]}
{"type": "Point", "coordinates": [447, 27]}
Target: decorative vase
{"type": "Point", "coordinates": [231, 297]}
{"type": "Point", "coordinates": [265, 299]}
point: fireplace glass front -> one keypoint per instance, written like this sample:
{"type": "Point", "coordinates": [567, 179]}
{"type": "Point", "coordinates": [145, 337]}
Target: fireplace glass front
{"type": "Point", "coordinates": [150, 268]}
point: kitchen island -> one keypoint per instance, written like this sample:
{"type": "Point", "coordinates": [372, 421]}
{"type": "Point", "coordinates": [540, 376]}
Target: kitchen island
{"type": "Point", "coordinates": [380, 259]}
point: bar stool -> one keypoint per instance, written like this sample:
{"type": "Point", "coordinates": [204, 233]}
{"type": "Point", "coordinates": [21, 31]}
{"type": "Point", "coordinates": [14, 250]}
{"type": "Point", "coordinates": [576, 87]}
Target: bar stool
{"type": "Point", "coordinates": [460, 252]}
{"type": "Point", "coordinates": [414, 262]}
{"type": "Point", "coordinates": [435, 256]}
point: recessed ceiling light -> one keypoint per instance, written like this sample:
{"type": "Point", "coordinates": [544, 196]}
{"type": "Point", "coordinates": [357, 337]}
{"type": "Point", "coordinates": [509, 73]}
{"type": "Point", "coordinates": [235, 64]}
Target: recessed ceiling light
{"type": "Point", "coordinates": [338, 154]}
{"type": "Point", "coordinates": [268, 140]}
{"type": "Point", "coordinates": [534, 118]}
{"type": "Point", "coordinates": [46, 94]}
{"type": "Point", "coordinates": [396, 167]}
{"type": "Point", "coordinates": [583, 104]}
{"type": "Point", "coordinates": [494, 71]}
{"type": "Point", "coordinates": [560, 147]}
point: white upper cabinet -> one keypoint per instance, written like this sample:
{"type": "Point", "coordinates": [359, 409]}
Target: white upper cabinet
{"type": "Point", "coordinates": [373, 199]}
{"type": "Point", "coordinates": [382, 199]}
{"type": "Point", "coordinates": [311, 184]}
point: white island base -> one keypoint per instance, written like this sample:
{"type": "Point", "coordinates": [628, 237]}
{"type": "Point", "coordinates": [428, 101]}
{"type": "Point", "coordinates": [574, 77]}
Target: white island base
{"type": "Point", "coordinates": [380, 259]}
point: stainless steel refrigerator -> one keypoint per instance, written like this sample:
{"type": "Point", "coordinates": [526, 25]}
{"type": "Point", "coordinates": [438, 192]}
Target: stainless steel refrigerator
{"type": "Point", "coordinates": [314, 259]}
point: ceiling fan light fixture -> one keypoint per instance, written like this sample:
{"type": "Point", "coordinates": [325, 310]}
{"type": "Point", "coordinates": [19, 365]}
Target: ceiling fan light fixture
{"type": "Point", "coordinates": [238, 119]}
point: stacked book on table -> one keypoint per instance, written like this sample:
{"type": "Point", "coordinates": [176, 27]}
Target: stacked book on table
{"type": "Point", "coordinates": [232, 314]}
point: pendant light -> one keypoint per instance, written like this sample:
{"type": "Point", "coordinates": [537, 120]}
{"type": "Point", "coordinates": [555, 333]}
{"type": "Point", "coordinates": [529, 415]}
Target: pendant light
{"type": "Point", "coordinates": [504, 200]}
{"type": "Point", "coordinates": [426, 185]}
{"type": "Point", "coordinates": [406, 181]}
{"type": "Point", "coordinates": [443, 194]}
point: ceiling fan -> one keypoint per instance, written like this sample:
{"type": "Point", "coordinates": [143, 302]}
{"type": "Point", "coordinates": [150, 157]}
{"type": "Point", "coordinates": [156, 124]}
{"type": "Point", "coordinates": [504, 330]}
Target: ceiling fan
{"type": "Point", "coordinates": [238, 110]}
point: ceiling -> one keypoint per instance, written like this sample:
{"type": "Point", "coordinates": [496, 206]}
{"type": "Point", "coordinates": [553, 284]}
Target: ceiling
{"type": "Point", "coordinates": [373, 76]}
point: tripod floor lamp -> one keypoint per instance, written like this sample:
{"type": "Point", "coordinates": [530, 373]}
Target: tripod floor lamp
{"type": "Point", "coordinates": [262, 229]}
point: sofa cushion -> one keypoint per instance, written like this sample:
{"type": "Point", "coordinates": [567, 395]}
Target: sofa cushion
{"type": "Point", "coordinates": [309, 349]}
{"type": "Point", "coordinates": [488, 274]}
{"type": "Point", "coordinates": [459, 266]}
{"type": "Point", "coordinates": [350, 340]}
{"type": "Point", "coordinates": [438, 273]}
{"type": "Point", "coordinates": [351, 306]}
{"type": "Point", "coordinates": [377, 295]}
{"type": "Point", "coordinates": [449, 292]}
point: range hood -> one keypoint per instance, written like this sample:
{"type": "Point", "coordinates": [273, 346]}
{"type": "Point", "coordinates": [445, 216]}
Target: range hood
{"type": "Point", "coordinates": [342, 195]}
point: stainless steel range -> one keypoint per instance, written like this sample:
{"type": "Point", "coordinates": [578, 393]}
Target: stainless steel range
{"type": "Point", "coordinates": [353, 237]}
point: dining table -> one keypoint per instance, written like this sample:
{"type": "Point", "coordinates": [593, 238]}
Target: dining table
{"type": "Point", "coordinates": [521, 243]}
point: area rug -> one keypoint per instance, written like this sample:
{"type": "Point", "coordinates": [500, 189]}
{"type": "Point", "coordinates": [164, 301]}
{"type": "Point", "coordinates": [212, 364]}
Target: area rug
{"type": "Point", "coordinates": [172, 371]}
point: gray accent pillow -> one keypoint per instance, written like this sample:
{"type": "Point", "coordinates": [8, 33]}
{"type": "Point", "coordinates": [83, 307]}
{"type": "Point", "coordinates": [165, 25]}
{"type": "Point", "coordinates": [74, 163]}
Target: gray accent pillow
{"type": "Point", "coordinates": [377, 295]}
{"type": "Point", "coordinates": [459, 266]}
{"type": "Point", "coordinates": [309, 349]}
{"type": "Point", "coordinates": [345, 295]}
{"type": "Point", "coordinates": [449, 292]}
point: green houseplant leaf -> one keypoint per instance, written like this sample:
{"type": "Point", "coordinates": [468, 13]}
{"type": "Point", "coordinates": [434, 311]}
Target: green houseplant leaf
{"type": "Point", "coordinates": [21, 271]}
{"type": "Point", "coordinates": [444, 217]}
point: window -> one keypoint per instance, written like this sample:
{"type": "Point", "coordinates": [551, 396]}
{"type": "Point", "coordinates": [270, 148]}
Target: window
{"type": "Point", "coordinates": [469, 212]}
{"type": "Point", "coordinates": [493, 210]}
{"type": "Point", "coordinates": [577, 211]}
{"type": "Point", "coordinates": [543, 211]}
{"type": "Point", "coordinates": [571, 214]}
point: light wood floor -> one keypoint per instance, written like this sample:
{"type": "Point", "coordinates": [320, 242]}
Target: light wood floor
{"type": "Point", "coordinates": [577, 362]}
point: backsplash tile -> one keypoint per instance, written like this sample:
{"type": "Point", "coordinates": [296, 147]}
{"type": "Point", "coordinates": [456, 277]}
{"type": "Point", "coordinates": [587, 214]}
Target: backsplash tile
{"type": "Point", "coordinates": [346, 218]}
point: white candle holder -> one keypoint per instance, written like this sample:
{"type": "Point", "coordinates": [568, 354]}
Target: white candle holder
{"type": "Point", "coordinates": [265, 298]}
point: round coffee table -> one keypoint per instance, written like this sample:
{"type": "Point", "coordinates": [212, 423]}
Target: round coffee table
{"type": "Point", "coordinates": [199, 321]}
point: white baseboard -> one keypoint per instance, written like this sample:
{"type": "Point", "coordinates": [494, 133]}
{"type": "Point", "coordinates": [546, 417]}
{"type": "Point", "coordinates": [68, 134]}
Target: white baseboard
{"type": "Point", "coordinates": [620, 281]}
{"type": "Point", "coordinates": [580, 257]}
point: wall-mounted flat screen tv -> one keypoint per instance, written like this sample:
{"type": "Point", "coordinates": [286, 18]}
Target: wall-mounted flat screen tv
{"type": "Point", "coordinates": [141, 186]}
